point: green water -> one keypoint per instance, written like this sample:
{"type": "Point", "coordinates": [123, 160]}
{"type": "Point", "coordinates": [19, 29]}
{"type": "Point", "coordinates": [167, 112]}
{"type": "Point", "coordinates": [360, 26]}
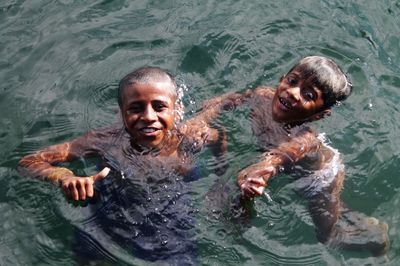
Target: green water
{"type": "Point", "coordinates": [60, 62]}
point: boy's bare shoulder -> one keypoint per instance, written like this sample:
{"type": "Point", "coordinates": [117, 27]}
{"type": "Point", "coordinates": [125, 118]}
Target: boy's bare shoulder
{"type": "Point", "coordinates": [97, 139]}
{"type": "Point", "coordinates": [264, 91]}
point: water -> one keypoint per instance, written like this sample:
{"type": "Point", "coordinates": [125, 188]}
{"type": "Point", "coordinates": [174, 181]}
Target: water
{"type": "Point", "coordinates": [60, 62]}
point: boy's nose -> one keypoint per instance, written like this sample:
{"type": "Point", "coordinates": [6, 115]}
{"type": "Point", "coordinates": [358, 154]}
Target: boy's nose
{"type": "Point", "coordinates": [149, 114]}
{"type": "Point", "coordinates": [294, 92]}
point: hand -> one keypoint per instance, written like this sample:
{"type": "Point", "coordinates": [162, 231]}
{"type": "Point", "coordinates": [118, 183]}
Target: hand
{"type": "Point", "coordinates": [252, 180]}
{"type": "Point", "coordinates": [81, 188]}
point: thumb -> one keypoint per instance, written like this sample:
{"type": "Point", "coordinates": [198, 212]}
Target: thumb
{"type": "Point", "coordinates": [100, 175]}
{"type": "Point", "coordinates": [259, 190]}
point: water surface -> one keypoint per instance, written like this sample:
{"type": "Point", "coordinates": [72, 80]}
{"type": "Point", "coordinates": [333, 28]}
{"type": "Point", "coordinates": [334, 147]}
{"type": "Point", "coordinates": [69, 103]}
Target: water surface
{"type": "Point", "coordinates": [60, 62]}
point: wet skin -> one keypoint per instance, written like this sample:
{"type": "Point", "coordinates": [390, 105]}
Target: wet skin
{"type": "Point", "coordinates": [148, 112]}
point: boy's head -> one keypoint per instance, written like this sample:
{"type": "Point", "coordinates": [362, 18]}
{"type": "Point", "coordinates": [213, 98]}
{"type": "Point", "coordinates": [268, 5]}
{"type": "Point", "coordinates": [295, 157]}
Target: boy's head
{"type": "Point", "coordinates": [147, 100]}
{"type": "Point", "coordinates": [309, 90]}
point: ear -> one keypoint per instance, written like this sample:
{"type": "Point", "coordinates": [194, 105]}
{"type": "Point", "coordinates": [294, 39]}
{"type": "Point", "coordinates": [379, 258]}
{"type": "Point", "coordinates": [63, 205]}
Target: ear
{"type": "Point", "coordinates": [320, 115]}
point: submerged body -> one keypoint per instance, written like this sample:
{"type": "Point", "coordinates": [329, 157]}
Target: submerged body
{"type": "Point", "coordinates": [279, 119]}
{"type": "Point", "coordinates": [319, 173]}
{"type": "Point", "coordinates": [143, 197]}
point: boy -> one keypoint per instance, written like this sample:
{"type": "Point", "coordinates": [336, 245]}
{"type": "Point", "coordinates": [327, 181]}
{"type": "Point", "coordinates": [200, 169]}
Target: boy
{"type": "Point", "coordinates": [143, 205]}
{"type": "Point", "coordinates": [306, 93]}
{"type": "Point", "coordinates": [151, 113]}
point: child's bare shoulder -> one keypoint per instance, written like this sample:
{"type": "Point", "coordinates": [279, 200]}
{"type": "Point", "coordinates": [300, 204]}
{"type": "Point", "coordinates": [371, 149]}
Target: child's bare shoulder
{"type": "Point", "coordinates": [264, 91]}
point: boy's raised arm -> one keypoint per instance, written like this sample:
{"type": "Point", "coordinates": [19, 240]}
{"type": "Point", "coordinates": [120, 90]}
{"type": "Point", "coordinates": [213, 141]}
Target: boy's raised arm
{"type": "Point", "coordinates": [253, 179]}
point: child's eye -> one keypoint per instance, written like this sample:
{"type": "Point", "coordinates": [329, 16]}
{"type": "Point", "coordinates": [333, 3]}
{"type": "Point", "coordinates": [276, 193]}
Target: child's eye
{"type": "Point", "coordinates": [309, 95]}
{"type": "Point", "coordinates": [158, 106]}
{"type": "Point", "coordinates": [291, 80]}
{"type": "Point", "coordinates": [134, 109]}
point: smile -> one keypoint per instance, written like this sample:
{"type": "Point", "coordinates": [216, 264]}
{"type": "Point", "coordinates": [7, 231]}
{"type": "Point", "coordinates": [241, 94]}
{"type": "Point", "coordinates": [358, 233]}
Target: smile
{"type": "Point", "coordinates": [285, 103]}
{"type": "Point", "coordinates": [148, 130]}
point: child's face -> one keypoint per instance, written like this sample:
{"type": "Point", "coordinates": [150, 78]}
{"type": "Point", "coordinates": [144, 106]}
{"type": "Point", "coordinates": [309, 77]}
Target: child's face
{"type": "Point", "coordinates": [148, 111]}
{"type": "Point", "coordinates": [297, 98]}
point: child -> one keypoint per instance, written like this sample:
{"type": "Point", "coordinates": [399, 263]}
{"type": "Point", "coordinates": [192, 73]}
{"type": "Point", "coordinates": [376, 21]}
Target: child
{"type": "Point", "coordinates": [306, 93]}
{"type": "Point", "coordinates": [151, 113]}
{"type": "Point", "coordinates": [144, 205]}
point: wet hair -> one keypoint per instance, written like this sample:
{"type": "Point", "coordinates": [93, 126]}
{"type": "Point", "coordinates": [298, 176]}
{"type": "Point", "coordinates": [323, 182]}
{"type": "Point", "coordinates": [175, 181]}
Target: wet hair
{"type": "Point", "coordinates": [329, 77]}
{"type": "Point", "coordinates": [143, 75]}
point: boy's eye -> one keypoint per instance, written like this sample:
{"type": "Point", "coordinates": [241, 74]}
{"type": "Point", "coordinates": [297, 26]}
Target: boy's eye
{"type": "Point", "coordinates": [292, 80]}
{"type": "Point", "coordinates": [309, 95]}
{"type": "Point", "coordinates": [159, 106]}
{"type": "Point", "coordinates": [134, 109]}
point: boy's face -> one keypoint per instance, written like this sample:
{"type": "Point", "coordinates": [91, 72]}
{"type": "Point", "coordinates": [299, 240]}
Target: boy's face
{"type": "Point", "coordinates": [148, 111]}
{"type": "Point", "coordinates": [297, 98]}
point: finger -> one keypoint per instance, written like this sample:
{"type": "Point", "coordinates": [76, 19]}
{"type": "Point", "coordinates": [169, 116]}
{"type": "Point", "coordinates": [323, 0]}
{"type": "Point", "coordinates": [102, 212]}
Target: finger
{"type": "Point", "coordinates": [258, 190]}
{"type": "Point", "coordinates": [100, 175]}
{"type": "Point", "coordinates": [247, 191]}
{"type": "Point", "coordinates": [89, 187]}
{"type": "Point", "coordinates": [81, 190]}
{"type": "Point", "coordinates": [258, 181]}
{"type": "Point", "coordinates": [73, 191]}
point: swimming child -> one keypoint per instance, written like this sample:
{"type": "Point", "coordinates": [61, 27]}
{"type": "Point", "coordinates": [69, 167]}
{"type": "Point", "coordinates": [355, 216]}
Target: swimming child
{"type": "Point", "coordinates": [143, 201]}
{"type": "Point", "coordinates": [151, 113]}
{"type": "Point", "coordinates": [279, 121]}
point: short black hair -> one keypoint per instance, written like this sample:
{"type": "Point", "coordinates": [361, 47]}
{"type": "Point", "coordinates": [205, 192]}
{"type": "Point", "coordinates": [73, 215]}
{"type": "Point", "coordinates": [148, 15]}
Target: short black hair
{"type": "Point", "coordinates": [334, 83]}
{"type": "Point", "coordinates": [143, 74]}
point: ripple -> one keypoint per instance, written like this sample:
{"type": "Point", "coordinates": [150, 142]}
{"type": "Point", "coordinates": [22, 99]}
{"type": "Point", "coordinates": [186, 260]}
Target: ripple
{"type": "Point", "coordinates": [102, 108]}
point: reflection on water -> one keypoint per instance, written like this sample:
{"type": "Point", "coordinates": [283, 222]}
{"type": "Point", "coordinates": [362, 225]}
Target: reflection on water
{"type": "Point", "coordinates": [60, 62]}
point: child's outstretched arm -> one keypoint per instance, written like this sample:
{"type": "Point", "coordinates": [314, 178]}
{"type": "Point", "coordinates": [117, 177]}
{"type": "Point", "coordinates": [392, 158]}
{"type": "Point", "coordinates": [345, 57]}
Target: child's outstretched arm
{"type": "Point", "coordinates": [43, 165]}
{"type": "Point", "coordinates": [253, 179]}
{"type": "Point", "coordinates": [213, 107]}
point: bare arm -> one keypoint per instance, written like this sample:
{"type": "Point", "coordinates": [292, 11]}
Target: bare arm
{"type": "Point", "coordinates": [212, 108]}
{"type": "Point", "coordinates": [43, 165]}
{"type": "Point", "coordinates": [254, 178]}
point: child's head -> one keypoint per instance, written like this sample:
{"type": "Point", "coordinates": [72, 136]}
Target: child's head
{"type": "Point", "coordinates": [309, 90]}
{"type": "Point", "coordinates": [328, 76]}
{"type": "Point", "coordinates": [147, 100]}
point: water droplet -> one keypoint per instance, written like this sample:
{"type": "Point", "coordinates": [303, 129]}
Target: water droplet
{"type": "Point", "coordinates": [164, 240]}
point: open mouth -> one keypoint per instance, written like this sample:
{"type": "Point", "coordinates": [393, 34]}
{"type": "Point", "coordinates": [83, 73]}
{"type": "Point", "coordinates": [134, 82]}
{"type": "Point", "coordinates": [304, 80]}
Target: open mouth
{"type": "Point", "coordinates": [149, 131]}
{"type": "Point", "coordinates": [285, 103]}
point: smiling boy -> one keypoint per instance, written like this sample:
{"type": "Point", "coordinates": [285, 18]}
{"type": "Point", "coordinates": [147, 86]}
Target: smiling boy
{"type": "Point", "coordinates": [151, 114]}
{"type": "Point", "coordinates": [144, 203]}
{"type": "Point", "coordinates": [278, 119]}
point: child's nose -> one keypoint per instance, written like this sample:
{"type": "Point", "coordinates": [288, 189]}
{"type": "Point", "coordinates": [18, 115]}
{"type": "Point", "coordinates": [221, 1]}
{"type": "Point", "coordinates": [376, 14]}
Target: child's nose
{"type": "Point", "coordinates": [149, 114]}
{"type": "Point", "coordinates": [294, 92]}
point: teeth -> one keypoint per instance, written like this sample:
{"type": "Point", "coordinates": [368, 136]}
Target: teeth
{"type": "Point", "coordinates": [285, 103]}
{"type": "Point", "coordinates": [148, 130]}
